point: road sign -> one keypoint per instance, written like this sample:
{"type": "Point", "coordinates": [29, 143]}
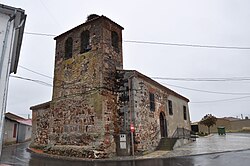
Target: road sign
{"type": "Point", "coordinates": [132, 128]}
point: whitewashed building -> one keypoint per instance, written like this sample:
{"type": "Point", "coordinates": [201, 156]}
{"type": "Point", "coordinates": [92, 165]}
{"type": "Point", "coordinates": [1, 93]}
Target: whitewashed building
{"type": "Point", "coordinates": [12, 21]}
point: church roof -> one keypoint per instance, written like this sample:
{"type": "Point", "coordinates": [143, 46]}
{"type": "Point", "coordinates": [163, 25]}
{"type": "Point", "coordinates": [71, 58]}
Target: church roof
{"type": "Point", "coordinates": [89, 22]}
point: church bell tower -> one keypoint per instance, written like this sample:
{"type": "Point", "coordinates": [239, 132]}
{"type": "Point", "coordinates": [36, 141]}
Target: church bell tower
{"type": "Point", "coordinates": [84, 110]}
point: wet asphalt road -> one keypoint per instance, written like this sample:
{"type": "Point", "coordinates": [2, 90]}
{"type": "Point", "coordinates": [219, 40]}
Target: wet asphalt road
{"type": "Point", "coordinates": [17, 155]}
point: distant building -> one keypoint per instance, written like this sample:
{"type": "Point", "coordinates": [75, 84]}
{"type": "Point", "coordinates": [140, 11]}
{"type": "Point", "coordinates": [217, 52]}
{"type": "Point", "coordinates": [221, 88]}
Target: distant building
{"type": "Point", "coordinates": [195, 127]}
{"type": "Point", "coordinates": [12, 21]}
{"type": "Point", "coordinates": [16, 129]}
{"type": "Point", "coordinates": [96, 103]}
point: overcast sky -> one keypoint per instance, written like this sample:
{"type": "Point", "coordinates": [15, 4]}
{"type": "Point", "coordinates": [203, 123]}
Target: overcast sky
{"type": "Point", "coordinates": [194, 22]}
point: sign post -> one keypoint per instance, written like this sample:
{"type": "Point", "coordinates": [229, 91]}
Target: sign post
{"type": "Point", "coordinates": [132, 129]}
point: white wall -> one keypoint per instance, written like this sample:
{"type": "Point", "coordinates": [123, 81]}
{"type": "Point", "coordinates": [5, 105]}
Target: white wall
{"type": "Point", "coordinates": [12, 21]}
{"type": "Point", "coordinates": [8, 131]}
{"type": "Point", "coordinates": [5, 54]}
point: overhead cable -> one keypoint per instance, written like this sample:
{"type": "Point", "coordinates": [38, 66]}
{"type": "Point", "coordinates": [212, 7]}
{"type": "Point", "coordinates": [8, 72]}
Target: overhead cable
{"type": "Point", "coordinates": [200, 79]}
{"type": "Point", "coordinates": [206, 91]}
{"type": "Point", "coordinates": [193, 102]}
{"type": "Point", "coordinates": [187, 45]}
{"type": "Point", "coordinates": [28, 79]}
{"type": "Point", "coordinates": [204, 79]}
{"type": "Point", "coordinates": [162, 43]}
{"type": "Point", "coordinates": [221, 100]}
{"type": "Point", "coordinates": [39, 34]}
{"type": "Point", "coordinates": [34, 72]}
{"type": "Point", "coordinates": [167, 78]}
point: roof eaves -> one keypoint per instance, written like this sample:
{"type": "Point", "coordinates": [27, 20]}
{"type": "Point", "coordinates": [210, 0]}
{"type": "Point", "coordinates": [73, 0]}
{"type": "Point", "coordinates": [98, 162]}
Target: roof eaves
{"type": "Point", "coordinates": [13, 116]}
{"type": "Point", "coordinates": [39, 106]}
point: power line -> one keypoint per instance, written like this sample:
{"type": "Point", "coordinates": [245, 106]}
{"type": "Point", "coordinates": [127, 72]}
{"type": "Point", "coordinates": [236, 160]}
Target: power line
{"type": "Point", "coordinates": [40, 34]}
{"type": "Point", "coordinates": [35, 72]}
{"type": "Point", "coordinates": [183, 79]}
{"type": "Point", "coordinates": [36, 81]}
{"type": "Point", "coordinates": [206, 91]}
{"type": "Point", "coordinates": [205, 79]}
{"type": "Point", "coordinates": [187, 45]}
{"type": "Point", "coordinates": [168, 78]}
{"type": "Point", "coordinates": [49, 12]}
{"type": "Point", "coordinates": [198, 102]}
{"type": "Point", "coordinates": [199, 90]}
{"type": "Point", "coordinates": [222, 100]}
{"type": "Point", "coordinates": [163, 43]}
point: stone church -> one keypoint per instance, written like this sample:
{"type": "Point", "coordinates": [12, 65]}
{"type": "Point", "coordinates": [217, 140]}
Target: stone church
{"type": "Point", "coordinates": [98, 109]}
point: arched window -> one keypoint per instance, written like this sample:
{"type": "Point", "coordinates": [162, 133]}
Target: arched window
{"type": "Point", "coordinates": [85, 46]}
{"type": "Point", "coordinates": [115, 39]}
{"type": "Point", "coordinates": [68, 48]}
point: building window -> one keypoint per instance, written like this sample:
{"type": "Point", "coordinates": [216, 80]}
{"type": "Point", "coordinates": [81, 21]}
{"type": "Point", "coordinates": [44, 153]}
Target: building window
{"type": "Point", "coordinates": [68, 48]}
{"type": "Point", "coordinates": [85, 45]}
{"type": "Point", "coordinates": [14, 130]}
{"type": "Point", "coordinates": [152, 101]}
{"type": "Point", "coordinates": [170, 107]}
{"type": "Point", "coordinates": [185, 112]}
{"type": "Point", "coordinates": [114, 38]}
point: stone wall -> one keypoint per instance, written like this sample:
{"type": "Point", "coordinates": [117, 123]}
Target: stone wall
{"type": "Point", "coordinates": [75, 120]}
{"type": "Point", "coordinates": [146, 121]}
{"type": "Point", "coordinates": [40, 125]}
{"type": "Point", "coordinates": [92, 69]}
{"type": "Point", "coordinates": [83, 110]}
{"type": "Point", "coordinates": [135, 108]}
{"type": "Point", "coordinates": [90, 107]}
{"type": "Point", "coordinates": [88, 122]}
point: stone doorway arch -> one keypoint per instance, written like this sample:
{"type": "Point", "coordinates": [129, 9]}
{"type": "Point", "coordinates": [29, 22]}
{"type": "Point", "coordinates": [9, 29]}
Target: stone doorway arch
{"type": "Point", "coordinates": [163, 125]}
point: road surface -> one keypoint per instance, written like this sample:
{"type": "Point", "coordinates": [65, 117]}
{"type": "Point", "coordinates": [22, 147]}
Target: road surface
{"type": "Point", "coordinates": [18, 155]}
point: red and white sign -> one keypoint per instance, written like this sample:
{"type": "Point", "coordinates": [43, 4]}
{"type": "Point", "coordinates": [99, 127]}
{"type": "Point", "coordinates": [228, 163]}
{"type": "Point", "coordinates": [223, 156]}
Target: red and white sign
{"type": "Point", "coordinates": [132, 128]}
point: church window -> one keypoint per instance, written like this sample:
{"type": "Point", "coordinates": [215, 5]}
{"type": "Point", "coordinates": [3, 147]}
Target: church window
{"type": "Point", "coordinates": [115, 40]}
{"type": "Point", "coordinates": [68, 48]}
{"type": "Point", "coordinates": [85, 44]}
{"type": "Point", "coordinates": [152, 101]}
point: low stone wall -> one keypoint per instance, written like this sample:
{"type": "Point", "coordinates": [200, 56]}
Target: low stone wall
{"type": "Point", "coordinates": [76, 151]}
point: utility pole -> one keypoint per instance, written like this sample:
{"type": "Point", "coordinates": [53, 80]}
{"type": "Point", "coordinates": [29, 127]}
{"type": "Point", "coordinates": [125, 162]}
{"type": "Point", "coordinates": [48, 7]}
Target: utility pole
{"type": "Point", "coordinates": [132, 128]}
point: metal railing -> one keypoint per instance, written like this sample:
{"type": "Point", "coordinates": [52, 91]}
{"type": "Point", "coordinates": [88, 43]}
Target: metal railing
{"type": "Point", "coordinates": [182, 133]}
{"type": "Point", "coordinates": [155, 134]}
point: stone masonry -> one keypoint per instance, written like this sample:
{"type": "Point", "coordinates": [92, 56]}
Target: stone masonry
{"type": "Point", "coordinates": [82, 112]}
{"type": "Point", "coordinates": [94, 100]}
{"type": "Point", "coordinates": [137, 110]}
